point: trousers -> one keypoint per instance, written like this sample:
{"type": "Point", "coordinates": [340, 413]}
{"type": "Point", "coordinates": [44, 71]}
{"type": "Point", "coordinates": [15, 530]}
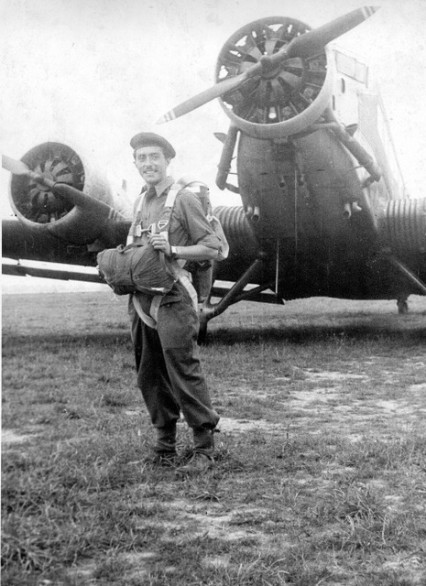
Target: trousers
{"type": "Point", "coordinates": [168, 366]}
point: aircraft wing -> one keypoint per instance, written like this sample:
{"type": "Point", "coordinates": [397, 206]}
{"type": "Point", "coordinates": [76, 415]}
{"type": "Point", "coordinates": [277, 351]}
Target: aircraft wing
{"type": "Point", "coordinates": [91, 275]}
{"type": "Point", "coordinates": [65, 273]}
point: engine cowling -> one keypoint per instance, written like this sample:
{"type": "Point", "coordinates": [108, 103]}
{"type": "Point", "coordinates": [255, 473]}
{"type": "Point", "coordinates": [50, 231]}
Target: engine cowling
{"type": "Point", "coordinates": [279, 102]}
{"type": "Point", "coordinates": [41, 208]}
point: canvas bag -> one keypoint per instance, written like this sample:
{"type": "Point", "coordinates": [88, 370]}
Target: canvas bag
{"type": "Point", "coordinates": [135, 267]}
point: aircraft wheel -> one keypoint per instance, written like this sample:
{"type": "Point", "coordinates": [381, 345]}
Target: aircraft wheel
{"type": "Point", "coordinates": [402, 306]}
{"type": "Point", "coordinates": [202, 333]}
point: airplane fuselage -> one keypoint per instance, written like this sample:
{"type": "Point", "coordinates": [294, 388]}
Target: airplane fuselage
{"type": "Point", "coordinates": [324, 208]}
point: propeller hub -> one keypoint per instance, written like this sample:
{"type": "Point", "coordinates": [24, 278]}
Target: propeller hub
{"type": "Point", "coordinates": [269, 69]}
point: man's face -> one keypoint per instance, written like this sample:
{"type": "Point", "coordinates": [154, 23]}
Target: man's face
{"type": "Point", "coordinates": [151, 164]}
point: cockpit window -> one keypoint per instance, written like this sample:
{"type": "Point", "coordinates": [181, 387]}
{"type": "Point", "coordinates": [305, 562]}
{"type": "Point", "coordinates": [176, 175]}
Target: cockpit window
{"type": "Point", "coordinates": [351, 67]}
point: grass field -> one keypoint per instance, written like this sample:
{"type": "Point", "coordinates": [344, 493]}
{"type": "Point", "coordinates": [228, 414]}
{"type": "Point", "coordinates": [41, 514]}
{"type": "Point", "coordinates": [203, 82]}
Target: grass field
{"type": "Point", "coordinates": [320, 475]}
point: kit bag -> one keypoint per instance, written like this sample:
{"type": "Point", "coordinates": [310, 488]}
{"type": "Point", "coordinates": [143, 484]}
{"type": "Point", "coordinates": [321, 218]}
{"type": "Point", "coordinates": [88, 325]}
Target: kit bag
{"type": "Point", "coordinates": [135, 267]}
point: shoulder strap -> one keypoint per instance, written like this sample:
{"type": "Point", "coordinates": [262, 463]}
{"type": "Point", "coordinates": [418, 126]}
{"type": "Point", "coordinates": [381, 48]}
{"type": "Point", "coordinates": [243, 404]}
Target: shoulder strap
{"type": "Point", "coordinates": [175, 188]}
{"type": "Point", "coordinates": [138, 204]}
{"type": "Point", "coordinates": [171, 196]}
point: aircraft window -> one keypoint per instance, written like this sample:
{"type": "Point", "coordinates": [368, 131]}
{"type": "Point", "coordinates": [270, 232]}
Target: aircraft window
{"type": "Point", "coordinates": [342, 81]}
{"type": "Point", "coordinates": [351, 67]}
{"type": "Point", "coordinates": [361, 72]}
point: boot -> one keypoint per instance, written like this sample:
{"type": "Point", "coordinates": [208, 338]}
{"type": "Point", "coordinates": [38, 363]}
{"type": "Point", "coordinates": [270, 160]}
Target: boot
{"type": "Point", "coordinates": [164, 451]}
{"type": "Point", "coordinates": [204, 441]}
{"type": "Point", "coordinates": [202, 459]}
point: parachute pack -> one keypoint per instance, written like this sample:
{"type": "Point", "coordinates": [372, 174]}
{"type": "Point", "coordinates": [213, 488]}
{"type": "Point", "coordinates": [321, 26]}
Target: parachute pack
{"type": "Point", "coordinates": [135, 267]}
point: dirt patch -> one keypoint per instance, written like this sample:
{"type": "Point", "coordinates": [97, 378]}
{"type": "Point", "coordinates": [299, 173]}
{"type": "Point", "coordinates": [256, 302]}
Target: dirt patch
{"type": "Point", "coordinates": [216, 561]}
{"type": "Point", "coordinates": [333, 375]}
{"type": "Point", "coordinates": [334, 401]}
{"type": "Point", "coordinates": [412, 567]}
{"type": "Point", "coordinates": [230, 425]}
{"type": "Point", "coordinates": [9, 436]}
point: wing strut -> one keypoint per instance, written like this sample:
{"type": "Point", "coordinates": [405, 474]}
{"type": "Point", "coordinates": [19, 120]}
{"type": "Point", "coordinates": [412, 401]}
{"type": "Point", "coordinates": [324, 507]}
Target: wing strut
{"type": "Point", "coordinates": [406, 272]}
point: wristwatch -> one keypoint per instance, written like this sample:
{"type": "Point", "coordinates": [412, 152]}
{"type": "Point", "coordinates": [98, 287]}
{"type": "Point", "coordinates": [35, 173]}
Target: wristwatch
{"type": "Point", "coordinates": [173, 252]}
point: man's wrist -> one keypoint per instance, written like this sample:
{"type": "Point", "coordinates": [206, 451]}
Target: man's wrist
{"type": "Point", "coordinates": [173, 252]}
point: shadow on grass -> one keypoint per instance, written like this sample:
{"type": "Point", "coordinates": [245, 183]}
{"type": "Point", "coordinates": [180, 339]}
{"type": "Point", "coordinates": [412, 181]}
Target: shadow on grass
{"type": "Point", "coordinates": [107, 339]}
{"type": "Point", "coordinates": [237, 334]}
{"type": "Point", "coordinates": [304, 334]}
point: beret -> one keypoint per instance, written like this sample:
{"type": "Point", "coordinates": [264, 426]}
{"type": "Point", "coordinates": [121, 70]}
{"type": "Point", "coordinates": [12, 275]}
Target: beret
{"type": "Point", "coordinates": [149, 139]}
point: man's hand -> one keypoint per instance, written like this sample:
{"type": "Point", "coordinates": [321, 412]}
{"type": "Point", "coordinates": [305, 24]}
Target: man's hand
{"type": "Point", "coordinates": [160, 243]}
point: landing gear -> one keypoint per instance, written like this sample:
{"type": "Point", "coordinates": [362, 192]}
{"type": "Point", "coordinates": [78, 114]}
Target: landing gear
{"type": "Point", "coordinates": [412, 278]}
{"type": "Point", "coordinates": [202, 332]}
{"type": "Point", "coordinates": [234, 294]}
{"type": "Point", "coordinates": [402, 304]}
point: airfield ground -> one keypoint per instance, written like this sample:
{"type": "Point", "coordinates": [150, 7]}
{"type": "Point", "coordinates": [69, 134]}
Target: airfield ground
{"type": "Point", "coordinates": [321, 462]}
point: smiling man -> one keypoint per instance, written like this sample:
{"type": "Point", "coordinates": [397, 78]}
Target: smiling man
{"type": "Point", "coordinates": [165, 328]}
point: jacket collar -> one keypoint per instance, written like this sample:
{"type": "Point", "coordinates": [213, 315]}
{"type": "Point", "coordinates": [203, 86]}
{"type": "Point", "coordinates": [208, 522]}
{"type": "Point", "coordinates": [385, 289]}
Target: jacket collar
{"type": "Point", "coordinates": [161, 187]}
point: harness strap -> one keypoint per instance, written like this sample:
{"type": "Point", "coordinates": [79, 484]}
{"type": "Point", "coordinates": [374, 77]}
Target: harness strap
{"type": "Point", "coordinates": [148, 320]}
{"type": "Point", "coordinates": [176, 267]}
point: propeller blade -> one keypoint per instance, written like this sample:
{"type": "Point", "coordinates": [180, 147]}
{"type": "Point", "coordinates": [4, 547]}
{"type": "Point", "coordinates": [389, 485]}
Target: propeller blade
{"type": "Point", "coordinates": [20, 168]}
{"type": "Point", "coordinates": [305, 45]}
{"type": "Point", "coordinates": [314, 41]}
{"type": "Point", "coordinates": [221, 136]}
{"type": "Point", "coordinates": [216, 91]}
{"type": "Point", "coordinates": [14, 166]}
{"type": "Point", "coordinates": [68, 192]}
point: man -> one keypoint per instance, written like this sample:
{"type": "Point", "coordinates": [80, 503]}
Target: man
{"type": "Point", "coordinates": [168, 367]}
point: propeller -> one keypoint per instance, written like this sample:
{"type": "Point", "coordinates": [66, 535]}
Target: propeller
{"type": "Point", "coordinates": [17, 167]}
{"type": "Point", "coordinates": [304, 45]}
{"type": "Point", "coordinates": [73, 195]}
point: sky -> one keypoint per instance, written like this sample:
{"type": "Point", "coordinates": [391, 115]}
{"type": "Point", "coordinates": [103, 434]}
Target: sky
{"type": "Point", "coordinates": [93, 73]}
